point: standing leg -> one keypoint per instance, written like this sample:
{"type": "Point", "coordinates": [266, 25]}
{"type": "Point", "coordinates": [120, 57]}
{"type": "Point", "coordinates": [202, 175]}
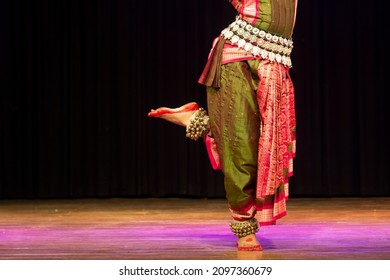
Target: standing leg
{"type": "Point", "coordinates": [235, 122]}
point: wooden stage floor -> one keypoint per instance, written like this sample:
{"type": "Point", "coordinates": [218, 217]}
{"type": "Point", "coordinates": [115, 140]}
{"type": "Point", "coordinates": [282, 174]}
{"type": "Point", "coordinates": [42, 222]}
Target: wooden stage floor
{"type": "Point", "coordinates": [188, 229]}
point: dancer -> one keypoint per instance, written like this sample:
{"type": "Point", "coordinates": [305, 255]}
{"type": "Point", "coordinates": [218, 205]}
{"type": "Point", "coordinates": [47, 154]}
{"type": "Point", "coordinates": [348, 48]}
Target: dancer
{"type": "Point", "coordinates": [249, 129]}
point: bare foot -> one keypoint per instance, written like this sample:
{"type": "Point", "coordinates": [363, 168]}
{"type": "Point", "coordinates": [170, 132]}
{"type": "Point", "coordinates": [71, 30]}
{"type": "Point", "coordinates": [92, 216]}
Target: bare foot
{"type": "Point", "coordinates": [180, 115]}
{"type": "Point", "coordinates": [249, 243]}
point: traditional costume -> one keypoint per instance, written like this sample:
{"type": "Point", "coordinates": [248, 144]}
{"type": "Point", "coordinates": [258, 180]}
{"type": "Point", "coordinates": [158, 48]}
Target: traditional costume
{"type": "Point", "coordinates": [249, 128]}
{"type": "Point", "coordinates": [250, 99]}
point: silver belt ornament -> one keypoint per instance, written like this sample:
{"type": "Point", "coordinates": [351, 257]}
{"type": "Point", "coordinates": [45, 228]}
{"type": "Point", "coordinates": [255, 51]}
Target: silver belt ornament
{"type": "Point", "coordinates": [259, 42]}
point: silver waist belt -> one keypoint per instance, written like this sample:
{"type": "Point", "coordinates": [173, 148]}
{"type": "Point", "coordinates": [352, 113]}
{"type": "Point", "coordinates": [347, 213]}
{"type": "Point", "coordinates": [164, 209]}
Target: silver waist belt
{"type": "Point", "coordinates": [259, 42]}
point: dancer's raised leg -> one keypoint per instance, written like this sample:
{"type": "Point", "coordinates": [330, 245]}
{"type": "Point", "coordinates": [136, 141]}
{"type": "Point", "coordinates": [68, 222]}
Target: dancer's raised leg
{"type": "Point", "coordinates": [180, 115]}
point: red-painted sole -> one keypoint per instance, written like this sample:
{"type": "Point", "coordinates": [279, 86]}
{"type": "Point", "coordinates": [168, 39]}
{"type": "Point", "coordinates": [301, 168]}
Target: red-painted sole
{"type": "Point", "coordinates": [250, 248]}
{"type": "Point", "coordinates": [192, 106]}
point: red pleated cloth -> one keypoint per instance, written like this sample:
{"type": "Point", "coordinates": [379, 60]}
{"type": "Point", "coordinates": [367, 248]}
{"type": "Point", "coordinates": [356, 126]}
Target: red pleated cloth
{"type": "Point", "coordinates": [277, 146]}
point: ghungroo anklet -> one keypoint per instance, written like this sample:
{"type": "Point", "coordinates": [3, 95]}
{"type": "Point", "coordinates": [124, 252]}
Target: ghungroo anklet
{"type": "Point", "coordinates": [242, 229]}
{"type": "Point", "coordinates": [199, 125]}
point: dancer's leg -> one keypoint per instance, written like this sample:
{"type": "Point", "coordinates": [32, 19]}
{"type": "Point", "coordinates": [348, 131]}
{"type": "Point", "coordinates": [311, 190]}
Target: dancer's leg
{"type": "Point", "coordinates": [235, 123]}
{"type": "Point", "coordinates": [180, 115]}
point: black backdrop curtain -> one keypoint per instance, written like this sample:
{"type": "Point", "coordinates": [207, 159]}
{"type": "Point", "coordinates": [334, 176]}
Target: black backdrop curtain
{"type": "Point", "coordinates": [79, 77]}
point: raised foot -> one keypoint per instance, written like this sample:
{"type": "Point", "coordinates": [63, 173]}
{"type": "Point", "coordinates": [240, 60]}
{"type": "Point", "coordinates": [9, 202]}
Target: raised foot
{"type": "Point", "coordinates": [180, 115]}
{"type": "Point", "coordinates": [192, 106]}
